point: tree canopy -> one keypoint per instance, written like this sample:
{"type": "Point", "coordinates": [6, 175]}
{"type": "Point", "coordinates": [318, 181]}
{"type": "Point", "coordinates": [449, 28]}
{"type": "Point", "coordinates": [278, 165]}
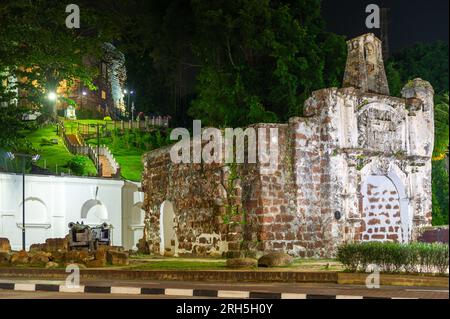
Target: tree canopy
{"type": "Point", "coordinates": [38, 49]}
{"type": "Point", "coordinates": [229, 62]}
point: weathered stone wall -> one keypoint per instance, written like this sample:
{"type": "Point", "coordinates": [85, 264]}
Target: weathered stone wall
{"type": "Point", "coordinates": [356, 167]}
{"type": "Point", "coordinates": [194, 191]}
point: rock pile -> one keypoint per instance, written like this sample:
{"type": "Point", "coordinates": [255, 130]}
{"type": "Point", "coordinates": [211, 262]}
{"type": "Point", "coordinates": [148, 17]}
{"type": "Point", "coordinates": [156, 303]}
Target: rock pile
{"type": "Point", "coordinates": [55, 253]}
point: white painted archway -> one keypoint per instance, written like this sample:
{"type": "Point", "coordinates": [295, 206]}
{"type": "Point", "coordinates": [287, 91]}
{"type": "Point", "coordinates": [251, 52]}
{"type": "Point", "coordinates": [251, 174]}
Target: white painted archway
{"type": "Point", "coordinates": [168, 237]}
{"type": "Point", "coordinates": [36, 211]}
{"type": "Point", "coordinates": [94, 212]}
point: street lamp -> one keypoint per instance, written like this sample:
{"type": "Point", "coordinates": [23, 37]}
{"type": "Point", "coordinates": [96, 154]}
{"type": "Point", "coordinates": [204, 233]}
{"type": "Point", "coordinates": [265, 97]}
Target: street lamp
{"type": "Point", "coordinates": [52, 96]}
{"type": "Point", "coordinates": [129, 93]}
{"type": "Point", "coordinates": [33, 158]}
{"type": "Point", "coordinates": [84, 93]}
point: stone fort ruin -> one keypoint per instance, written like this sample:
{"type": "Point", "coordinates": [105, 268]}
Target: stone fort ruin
{"type": "Point", "coordinates": [355, 167]}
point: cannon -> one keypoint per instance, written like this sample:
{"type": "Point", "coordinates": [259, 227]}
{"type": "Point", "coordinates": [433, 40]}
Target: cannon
{"type": "Point", "coordinates": [84, 236]}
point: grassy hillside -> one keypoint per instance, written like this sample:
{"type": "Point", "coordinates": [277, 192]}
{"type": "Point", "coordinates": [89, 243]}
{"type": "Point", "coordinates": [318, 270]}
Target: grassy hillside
{"type": "Point", "coordinates": [54, 157]}
{"type": "Point", "coordinates": [127, 147]}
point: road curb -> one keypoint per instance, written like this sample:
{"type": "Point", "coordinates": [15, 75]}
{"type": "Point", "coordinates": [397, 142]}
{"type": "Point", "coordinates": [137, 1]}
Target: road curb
{"type": "Point", "coordinates": [175, 292]}
{"type": "Point", "coordinates": [178, 275]}
{"type": "Point", "coordinates": [394, 280]}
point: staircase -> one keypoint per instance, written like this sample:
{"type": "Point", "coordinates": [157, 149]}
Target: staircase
{"type": "Point", "coordinates": [108, 166]}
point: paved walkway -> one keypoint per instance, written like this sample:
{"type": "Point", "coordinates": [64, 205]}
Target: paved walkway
{"type": "Point", "coordinates": [107, 170]}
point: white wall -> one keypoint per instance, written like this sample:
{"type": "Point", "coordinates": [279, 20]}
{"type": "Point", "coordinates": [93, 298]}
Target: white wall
{"type": "Point", "coordinates": [133, 215]}
{"type": "Point", "coordinates": [52, 202]}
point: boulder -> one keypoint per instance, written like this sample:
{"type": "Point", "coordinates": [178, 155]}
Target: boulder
{"type": "Point", "coordinates": [4, 257]}
{"type": "Point", "coordinates": [51, 264]}
{"type": "Point", "coordinates": [20, 257]}
{"type": "Point", "coordinates": [5, 245]}
{"type": "Point", "coordinates": [117, 258]}
{"type": "Point", "coordinates": [39, 257]}
{"type": "Point", "coordinates": [275, 259]}
{"type": "Point", "coordinates": [238, 263]}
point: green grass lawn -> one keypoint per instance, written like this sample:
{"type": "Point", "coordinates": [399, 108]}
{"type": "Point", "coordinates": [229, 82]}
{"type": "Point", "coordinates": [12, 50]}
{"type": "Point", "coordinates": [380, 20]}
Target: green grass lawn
{"type": "Point", "coordinates": [54, 157]}
{"type": "Point", "coordinates": [180, 265]}
{"type": "Point", "coordinates": [128, 157]}
{"type": "Point", "coordinates": [123, 147]}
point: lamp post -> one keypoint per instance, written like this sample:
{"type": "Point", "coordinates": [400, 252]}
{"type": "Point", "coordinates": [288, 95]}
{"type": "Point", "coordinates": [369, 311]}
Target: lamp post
{"type": "Point", "coordinates": [52, 96]}
{"type": "Point", "coordinates": [83, 94]}
{"type": "Point", "coordinates": [129, 94]}
{"type": "Point", "coordinates": [33, 158]}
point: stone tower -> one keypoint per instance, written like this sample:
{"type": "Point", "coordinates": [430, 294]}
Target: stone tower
{"type": "Point", "coordinates": [365, 68]}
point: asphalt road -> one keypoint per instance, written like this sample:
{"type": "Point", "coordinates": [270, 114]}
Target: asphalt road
{"type": "Point", "coordinates": [6, 294]}
{"type": "Point", "coordinates": [298, 288]}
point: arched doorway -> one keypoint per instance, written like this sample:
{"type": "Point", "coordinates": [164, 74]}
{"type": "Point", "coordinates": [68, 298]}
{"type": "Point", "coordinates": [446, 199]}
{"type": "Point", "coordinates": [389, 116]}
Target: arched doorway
{"type": "Point", "coordinates": [168, 236]}
{"type": "Point", "coordinates": [37, 221]}
{"type": "Point", "coordinates": [94, 212]}
{"type": "Point", "coordinates": [382, 210]}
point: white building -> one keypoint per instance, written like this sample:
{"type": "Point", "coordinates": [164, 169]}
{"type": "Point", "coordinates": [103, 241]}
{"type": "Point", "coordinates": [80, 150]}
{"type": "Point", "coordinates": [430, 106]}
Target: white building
{"type": "Point", "coordinates": [51, 202]}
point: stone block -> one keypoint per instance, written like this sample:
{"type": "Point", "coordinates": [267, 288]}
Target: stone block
{"type": "Point", "coordinates": [55, 244]}
{"type": "Point", "coordinates": [117, 258]}
{"type": "Point", "coordinates": [5, 245]}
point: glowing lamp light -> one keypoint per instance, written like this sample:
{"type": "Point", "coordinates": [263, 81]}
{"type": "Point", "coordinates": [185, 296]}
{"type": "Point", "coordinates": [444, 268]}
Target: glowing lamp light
{"type": "Point", "coordinates": [52, 96]}
{"type": "Point", "coordinates": [84, 93]}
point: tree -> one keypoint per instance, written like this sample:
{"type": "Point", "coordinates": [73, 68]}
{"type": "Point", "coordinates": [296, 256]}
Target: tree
{"type": "Point", "coordinates": [230, 62]}
{"type": "Point", "coordinates": [38, 48]}
{"type": "Point", "coordinates": [428, 61]}
{"type": "Point", "coordinates": [261, 59]}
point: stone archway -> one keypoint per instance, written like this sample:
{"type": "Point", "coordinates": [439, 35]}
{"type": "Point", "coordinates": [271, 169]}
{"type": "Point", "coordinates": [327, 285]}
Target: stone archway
{"type": "Point", "coordinates": [381, 210]}
{"type": "Point", "coordinates": [385, 206]}
{"type": "Point", "coordinates": [168, 237]}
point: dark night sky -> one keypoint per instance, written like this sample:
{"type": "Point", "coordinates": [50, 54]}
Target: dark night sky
{"type": "Point", "coordinates": [411, 21]}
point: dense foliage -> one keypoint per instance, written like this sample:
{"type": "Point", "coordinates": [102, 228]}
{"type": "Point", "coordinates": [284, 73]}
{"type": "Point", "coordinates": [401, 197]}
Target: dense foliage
{"type": "Point", "coordinates": [395, 257]}
{"type": "Point", "coordinates": [429, 62]}
{"type": "Point", "coordinates": [39, 50]}
{"type": "Point", "coordinates": [228, 62]}
{"type": "Point", "coordinates": [77, 165]}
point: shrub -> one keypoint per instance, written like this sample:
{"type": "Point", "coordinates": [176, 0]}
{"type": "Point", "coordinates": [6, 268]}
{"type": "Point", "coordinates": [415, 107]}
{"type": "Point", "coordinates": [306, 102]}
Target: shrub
{"type": "Point", "coordinates": [77, 165]}
{"type": "Point", "coordinates": [395, 257]}
{"type": "Point", "coordinates": [107, 118]}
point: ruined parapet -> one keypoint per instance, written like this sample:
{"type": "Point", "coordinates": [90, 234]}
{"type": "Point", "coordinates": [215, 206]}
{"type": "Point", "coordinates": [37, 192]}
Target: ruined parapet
{"type": "Point", "coordinates": [419, 95]}
{"type": "Point", "coordinates": [365, 68]}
